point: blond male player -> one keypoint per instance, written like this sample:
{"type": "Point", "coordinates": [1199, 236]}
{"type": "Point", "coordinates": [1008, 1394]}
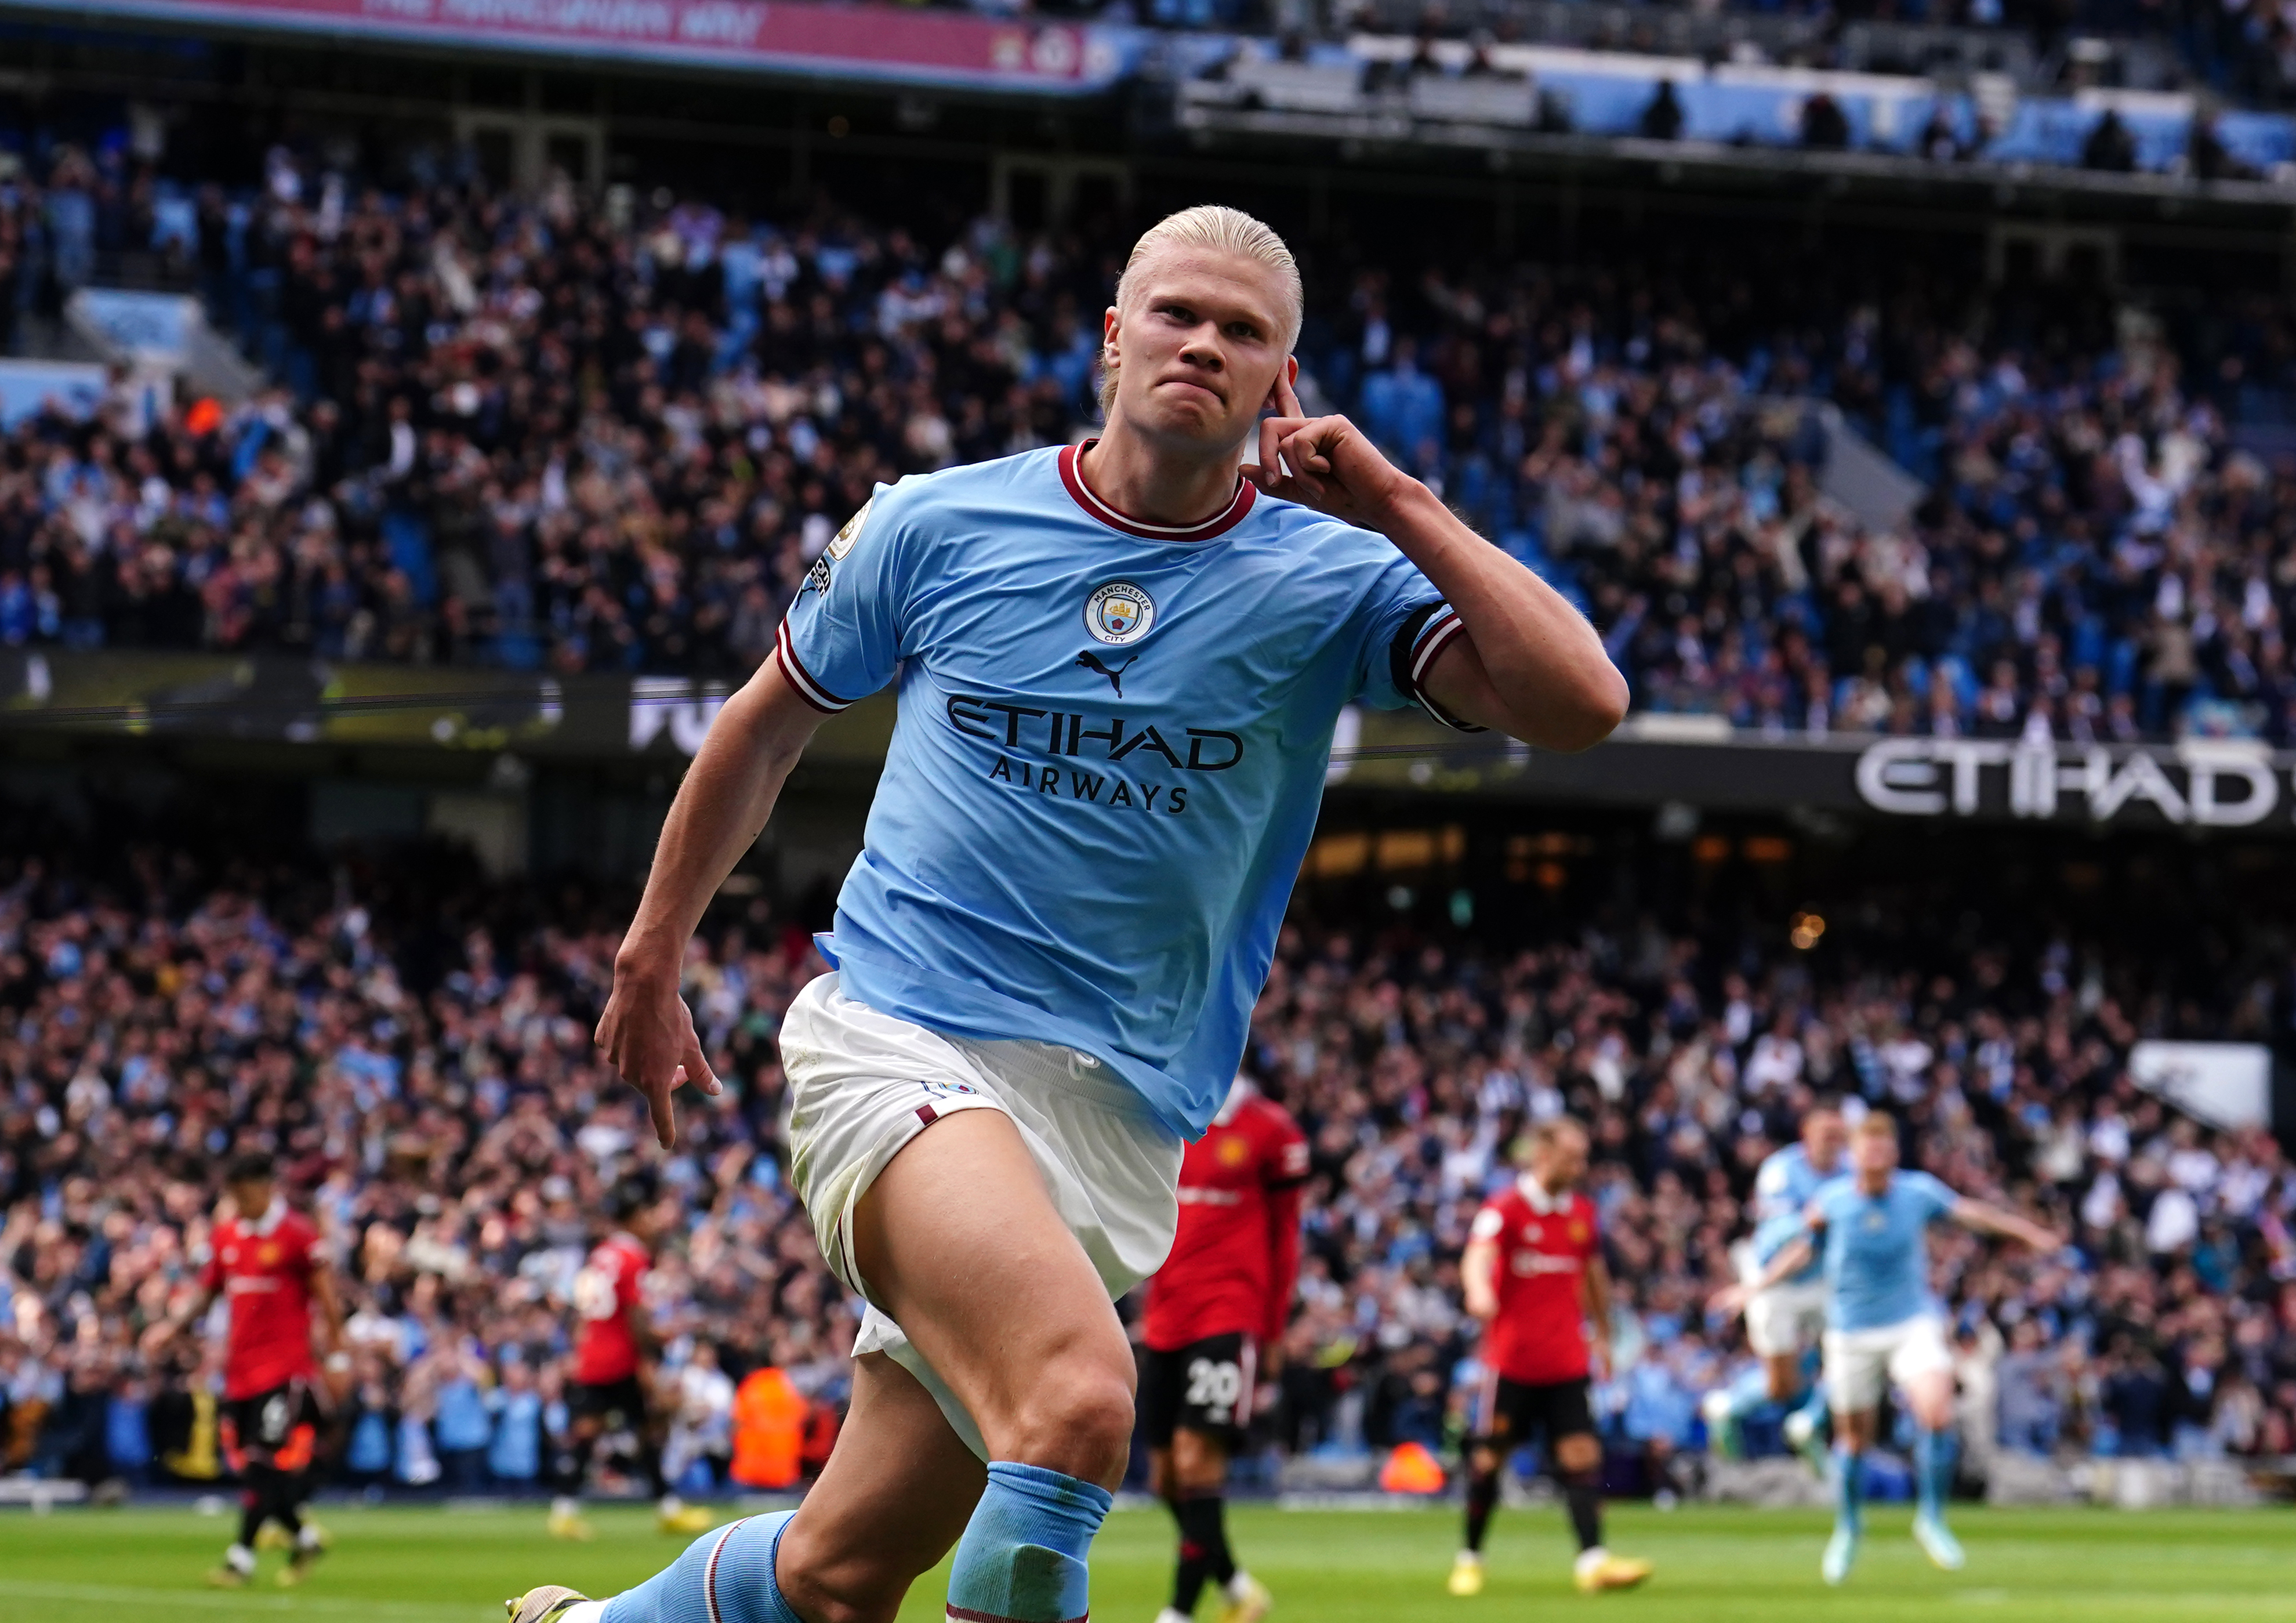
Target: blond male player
{"type": "Point", "coordinates": [1120, 665]}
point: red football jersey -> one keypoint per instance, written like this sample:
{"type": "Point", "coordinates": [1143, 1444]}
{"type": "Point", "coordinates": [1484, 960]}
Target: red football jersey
{"type": "Point", "coordinates": [1235, 1257]}
{"type": "Point", "coordinates": [263, 1270]}
{"type": "Point", "coordinates": [1540, 1333]}
{"type": "Point", "coordinates": [604, 1292]}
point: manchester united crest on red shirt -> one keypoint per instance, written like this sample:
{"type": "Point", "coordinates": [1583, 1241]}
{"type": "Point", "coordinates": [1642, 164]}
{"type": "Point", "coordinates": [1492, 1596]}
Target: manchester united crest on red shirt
{"type": "Point", "coordinates": [264, 1271]}
{"type": "Point", "coordinates": [1540, 1334]}
{"type": "Point", "coordinates": [1235, 1257]}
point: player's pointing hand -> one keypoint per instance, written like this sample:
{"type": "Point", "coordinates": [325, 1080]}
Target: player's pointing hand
{"type": "Point", "coordinates": [1325, 462]}
{"type": "Point", "coordinates": [647, 1035]}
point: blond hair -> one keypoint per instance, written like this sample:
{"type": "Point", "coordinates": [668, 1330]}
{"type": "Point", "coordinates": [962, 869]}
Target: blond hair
{"type": "Point", "coordinates": [1546, 1134]}
{"type": "Point", "coordinates": [1216, 229]}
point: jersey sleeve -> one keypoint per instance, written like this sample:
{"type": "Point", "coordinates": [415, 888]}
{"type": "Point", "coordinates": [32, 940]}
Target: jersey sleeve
{"type": "Point", "coordinates": [1935, 1196]}
{"type": "Point", "coordinates": [840, 639]}
{"type": "Point", "coordinates": [211, 1271]}
{"type": "Point", "coordinates": [1490, 1224]}
{"type": "Point", "coordinates": [1773, 1191]}
{"type": "Point", "coordinates": [1406, 625]}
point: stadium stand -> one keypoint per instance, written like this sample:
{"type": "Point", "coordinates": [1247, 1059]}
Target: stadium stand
{"type": "Point", "coordinates": [522, 432]}
{"type": "Point", "coordinates": [414, 1045]}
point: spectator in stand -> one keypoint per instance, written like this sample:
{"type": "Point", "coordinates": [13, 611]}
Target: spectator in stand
{"type": "Point", "coordinates": [2110, 146]}
{"type": "Point", "coordinates": [1825, 127]}
{"type": "Point", "coordinates": [539, 439]}
{"type": "Point", "coordinates": [1662, 120]}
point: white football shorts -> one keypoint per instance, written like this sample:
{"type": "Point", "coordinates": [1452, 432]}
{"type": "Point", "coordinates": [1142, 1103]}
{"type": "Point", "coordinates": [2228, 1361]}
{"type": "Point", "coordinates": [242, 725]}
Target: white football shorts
{"type": "Point", "coordinates": [1786, 1317]}
{"type": "Point", "coordinates": [1861, 1363]}
{"type": "Point", "coordinates": [864, 1083]}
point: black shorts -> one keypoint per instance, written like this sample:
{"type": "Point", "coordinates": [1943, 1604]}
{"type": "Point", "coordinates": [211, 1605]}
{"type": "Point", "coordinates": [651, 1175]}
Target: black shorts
{"type": "Point", "coordinates": [1510, 1413]}
{"type": "Point", "coordinates": [616, 1403]}
{"type": "Point", "coordinates": [1205, 1386]}
{"type": "Point", "coordinates": [279, 1426]}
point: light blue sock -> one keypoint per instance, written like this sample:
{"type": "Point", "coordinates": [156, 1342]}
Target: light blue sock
{"type": "Point", "coordinates": [1933, 1454]}
{"type": "Point", "coordinates": [1812, 1404]}
{"type": "Point", "coordinates": [725, 1576]}
{"type": "Point", "coordinates": [1848, 1491]}
{"type": "Point", "coordinates": [1022, 1556]}
{"type": "Point", "coordinates": [1749, 1395]}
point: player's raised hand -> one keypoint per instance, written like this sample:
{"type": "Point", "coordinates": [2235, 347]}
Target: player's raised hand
{"type": "Point", "coordinates": [647, 1036]}
{"type": "Point", "coordinates": [1325, 462]}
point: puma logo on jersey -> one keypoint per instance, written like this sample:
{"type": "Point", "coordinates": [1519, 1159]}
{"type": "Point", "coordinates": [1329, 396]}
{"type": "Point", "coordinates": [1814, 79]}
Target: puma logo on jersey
{"type": "Point", "coordinates": [1091, 661]}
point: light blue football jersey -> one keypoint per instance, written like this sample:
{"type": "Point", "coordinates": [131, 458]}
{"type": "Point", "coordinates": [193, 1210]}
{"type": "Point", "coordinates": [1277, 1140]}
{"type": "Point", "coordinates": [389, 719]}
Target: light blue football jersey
{"type": "Point", "coordinates": [1783, 1187]}
{"type": "Point", "coordinates": [1875, 1248]}
{"type": "Point", "coordinates": [1112, 744]}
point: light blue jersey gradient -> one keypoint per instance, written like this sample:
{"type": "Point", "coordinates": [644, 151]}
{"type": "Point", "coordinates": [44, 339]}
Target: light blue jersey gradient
{"type": "Point", "coordinates": [1875, 1249]}
{"type": "Point", "coordinates": [1112, 745]}
{"type": "Point", "coordinates": [1784, 1186]}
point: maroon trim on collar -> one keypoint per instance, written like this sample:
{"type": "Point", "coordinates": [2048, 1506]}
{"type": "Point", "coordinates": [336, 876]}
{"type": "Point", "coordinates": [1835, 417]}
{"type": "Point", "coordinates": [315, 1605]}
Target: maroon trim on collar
{"type": "Point", "coordinates": [1218, 524]}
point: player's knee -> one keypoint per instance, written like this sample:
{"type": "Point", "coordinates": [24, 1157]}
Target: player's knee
{"type": "Point", "coordinates": [1577, 1455]}
{"type": "Point", "coordinates": [1076, 1418]}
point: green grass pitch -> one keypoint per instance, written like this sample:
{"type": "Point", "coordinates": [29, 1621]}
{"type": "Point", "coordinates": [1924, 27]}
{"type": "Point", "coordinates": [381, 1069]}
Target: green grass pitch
{"type": "Point", "coordinates": [1714, 1565]}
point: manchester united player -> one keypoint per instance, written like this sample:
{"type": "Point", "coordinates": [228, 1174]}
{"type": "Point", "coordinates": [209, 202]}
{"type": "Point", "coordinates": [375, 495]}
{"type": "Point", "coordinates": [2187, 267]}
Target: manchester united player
{"type": "Point", "coordinates": [266, 1260]}
{"type": "Point", "coordinates": [1216, 1313]}
{"type": "Point", "coordinates": [1533, 1273]}
{"type": "Point", "coordinates": [614, 1354]}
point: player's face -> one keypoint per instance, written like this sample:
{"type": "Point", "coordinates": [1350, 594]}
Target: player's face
{"type": "Point", "coordinates": [1874, 1152]}
{"type": "Point", "coordinates": [1823, 1134]}
{"type": "Point", "coordinates": [1199, 345]}
{"type": "Point", "coordinates": [251, 1197]}
{"type": "Point", "coordinates": [1560, 1163]}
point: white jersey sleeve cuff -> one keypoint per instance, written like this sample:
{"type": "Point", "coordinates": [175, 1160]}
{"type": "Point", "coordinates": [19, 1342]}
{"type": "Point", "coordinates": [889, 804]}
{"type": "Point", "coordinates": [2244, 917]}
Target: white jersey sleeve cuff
{"type": "Point", "coordinates": [819, 697]}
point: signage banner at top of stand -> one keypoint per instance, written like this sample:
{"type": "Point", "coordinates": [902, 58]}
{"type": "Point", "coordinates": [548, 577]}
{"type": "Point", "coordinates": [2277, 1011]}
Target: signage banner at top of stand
{"type": "Point", "coordinates": [2233, 785]}
{"type": "Point", "coordinates": [882, 42]}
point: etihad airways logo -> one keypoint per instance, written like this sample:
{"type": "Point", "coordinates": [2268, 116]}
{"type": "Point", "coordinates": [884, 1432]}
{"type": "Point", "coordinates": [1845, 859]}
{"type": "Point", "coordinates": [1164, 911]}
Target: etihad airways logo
{"type": "Point", "coordinates": [1022, 730]}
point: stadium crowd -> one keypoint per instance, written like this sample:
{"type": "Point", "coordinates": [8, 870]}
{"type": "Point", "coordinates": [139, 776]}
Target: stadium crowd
{"type": "Point", "coordinates": [414, 1047]}
{"type": "Point", "coordinates": [544, 433]}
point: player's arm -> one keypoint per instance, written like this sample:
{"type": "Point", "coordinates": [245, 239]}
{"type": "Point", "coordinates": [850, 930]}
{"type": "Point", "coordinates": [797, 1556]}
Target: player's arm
{"type": "Point", "coordinates": [1530, 664]}
{"type": "Point", "coordinates": [1789, 1260]}
{"type": "Point", "coordinates": [166, 1333]}
{"type": "Point", "coordinates": [1988, 1218]}
{"type": "Point", "coordinates": [647, 1031]}
{"type": "Point", "coordinates": [1479, 1277]}
{"type": "Point", "coordinates": [1596, 1282]}
{"type": "Point", "coordinates": [329, 1300]}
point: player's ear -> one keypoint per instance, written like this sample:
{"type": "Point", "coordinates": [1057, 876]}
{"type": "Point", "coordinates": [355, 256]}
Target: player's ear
{"type": "Point", "coordinates": [1280, 398]}
{"type": "Point", "coordinates": [1109, 326]}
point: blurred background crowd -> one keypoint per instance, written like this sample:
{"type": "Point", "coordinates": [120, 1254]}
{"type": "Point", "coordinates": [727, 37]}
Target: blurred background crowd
{"type": "Point", "coordinates": [544, 433]}
{"type": "Point", "coordinates": [412, 1043]}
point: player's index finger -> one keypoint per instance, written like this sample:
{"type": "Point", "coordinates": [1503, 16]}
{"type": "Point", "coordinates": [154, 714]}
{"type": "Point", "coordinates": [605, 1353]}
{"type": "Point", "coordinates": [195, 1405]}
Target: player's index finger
{"type": "Point", "coordinates": [1285, 397]}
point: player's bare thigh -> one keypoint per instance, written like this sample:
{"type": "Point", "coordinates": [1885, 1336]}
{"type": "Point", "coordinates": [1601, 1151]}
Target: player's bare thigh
{"type": "Point", "coordinates": [959, 1241]}
{"type": "Point", "coordinates": [897, 1492]}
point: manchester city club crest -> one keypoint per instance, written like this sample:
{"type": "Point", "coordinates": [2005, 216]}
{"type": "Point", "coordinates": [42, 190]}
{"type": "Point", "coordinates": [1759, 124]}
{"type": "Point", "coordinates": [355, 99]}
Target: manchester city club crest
{"type": "Point", "coordinates": [1119, 612]}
